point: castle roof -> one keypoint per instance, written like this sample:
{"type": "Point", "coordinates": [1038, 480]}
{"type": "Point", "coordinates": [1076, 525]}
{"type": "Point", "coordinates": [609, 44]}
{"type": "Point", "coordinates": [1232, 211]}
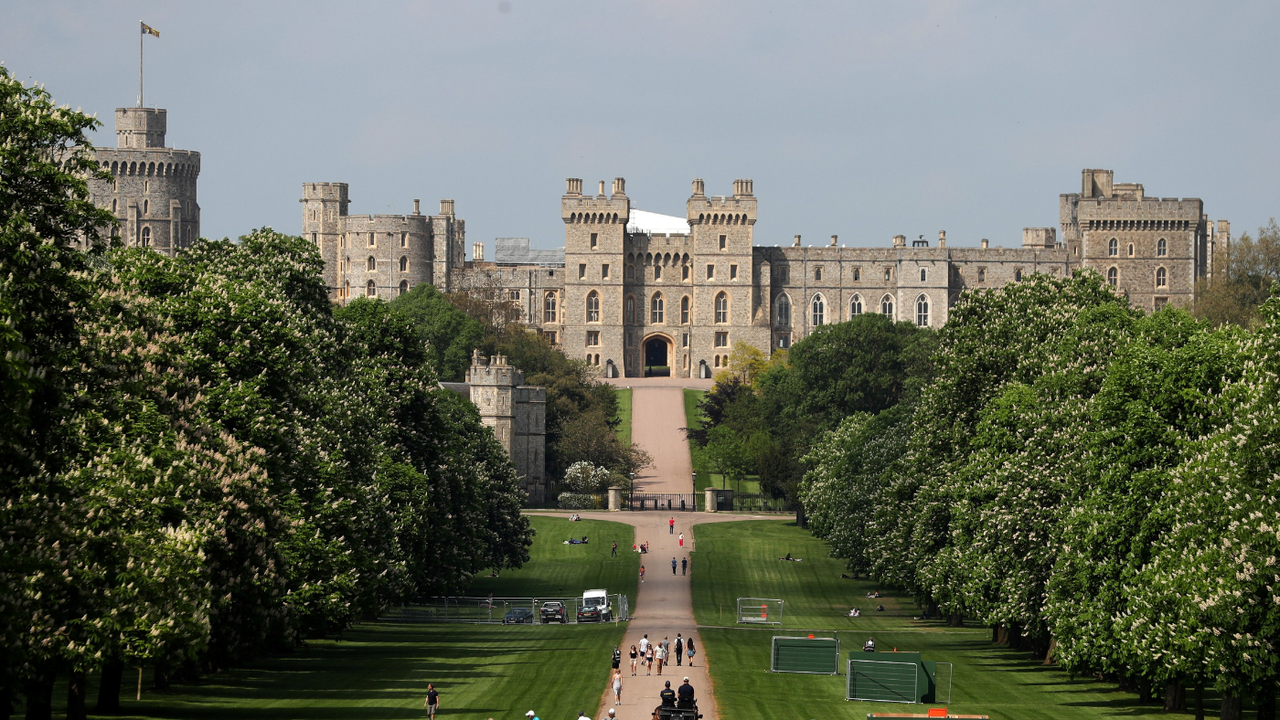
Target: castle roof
{"type": "Point", "coordinates": [656, 224]}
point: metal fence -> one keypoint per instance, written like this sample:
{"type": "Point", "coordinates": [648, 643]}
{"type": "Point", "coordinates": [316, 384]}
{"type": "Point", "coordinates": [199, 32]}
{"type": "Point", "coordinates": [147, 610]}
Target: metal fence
{"type": "Point", "coordinates": [493, 610]}
{"type": "Point", "coordinates": [666, 502]}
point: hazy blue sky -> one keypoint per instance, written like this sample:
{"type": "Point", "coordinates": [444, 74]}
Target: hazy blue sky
{"type": "Point", "coordinates": [861, 119]}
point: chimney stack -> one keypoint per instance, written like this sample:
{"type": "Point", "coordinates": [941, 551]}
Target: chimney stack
{"type": "Point", "coordinates": [942, 238]}
{"type": "Point", "coordinates": [417, 206]}
{"type": "Point", "coordinates": [833, 240]}
{"type": "Point", "coordinates": [620, 187]}
{"type": "Point", "coordinates": [477, 251]}
{"type": "Point", "coordinates": [446, 207]}
{"type": "Point", "coordinates": [797, 242]}
{"type": "Point", "coordinates": [573, 186]}
{"type": "Point", "coordinates": [899, 240]}
{"type": "Point", "coordinates": [699, 188]}
{"type": "Point", "coordinates": [601, 188]}
{"type": "Point", "coordinates": [985, 243]}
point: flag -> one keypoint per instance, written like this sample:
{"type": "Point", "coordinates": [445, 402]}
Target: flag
{"type": "Point", "coordinates": [148, 30]}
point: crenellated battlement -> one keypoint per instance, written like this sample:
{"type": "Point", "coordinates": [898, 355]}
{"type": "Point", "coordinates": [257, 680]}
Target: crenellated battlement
{"type": "Point", "coordinates": [736, 209]}
{"type": "Point", "coordinates": [600, 209]}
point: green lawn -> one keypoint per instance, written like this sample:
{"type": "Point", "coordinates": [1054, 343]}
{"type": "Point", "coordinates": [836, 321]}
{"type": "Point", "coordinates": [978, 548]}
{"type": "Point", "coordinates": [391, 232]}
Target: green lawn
{"type": "Point", "coordinates": [693, 419]}
{"type": "Point", "coordinates": [741, 559]}
{"type": "Point", "coordinates": [706, 478]}
{"type": "Point", "coordinates": [381, 669]}
{"type": "Point", "coordinates": [624, 415]}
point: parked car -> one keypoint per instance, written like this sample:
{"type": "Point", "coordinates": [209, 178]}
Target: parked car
{"type": "Point", "coordinates": [595, 607]}
{"type": "Point", "coordinates": [515, 616]}
{"type": "Point", "coordinates": [554, 611]}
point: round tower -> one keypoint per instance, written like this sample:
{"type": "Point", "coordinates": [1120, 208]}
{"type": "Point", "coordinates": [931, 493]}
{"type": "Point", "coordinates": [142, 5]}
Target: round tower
{"type": "Point", "coordinates": [153, 190]}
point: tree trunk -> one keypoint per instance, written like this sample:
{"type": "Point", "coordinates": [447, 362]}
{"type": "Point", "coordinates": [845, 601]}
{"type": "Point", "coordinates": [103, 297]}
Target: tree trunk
{"type": "Point", "coordinates": [1175, 697]}
{"type": "Point", "coordinates": [955, 620]}
{"type": "Point", "coordinates": [995, 634]}
{"type": "Point", "coordinates": [6, 702]}
{"type": "Point", "coordinates": [1144, 690]}
{"type": "Point", "coordinates": [40, 694]}
{"type": "Point", "coordinates": [1200, 700]}
{"type": "Point", "coordinates": [1230, 707]}
{"type": "Point", "coordinates": [109, 687]}
{"type": "Point", "coordinates": [1048, 655]}
{"type": "Point", "coordinates": [1267, 701]}
{"type": "Point", "coordinates": [76, 690]}
{"type": "Point", "coordinates": [802, 520]}
{"type": "Point", "coordinates": [160, 678]}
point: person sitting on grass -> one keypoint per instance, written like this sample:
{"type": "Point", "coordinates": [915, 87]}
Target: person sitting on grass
{"type": "Point", "coordinates": [855, 612]}
{"type": "Point", "coordinates": [869, 645]}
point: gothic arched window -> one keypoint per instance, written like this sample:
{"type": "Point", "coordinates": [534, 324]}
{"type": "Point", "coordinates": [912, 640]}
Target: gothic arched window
{"type": "Point", "coordinates": [1113, 247]}
{"type": "Point", "coordinates": [783, 314]}
{"type": "Point", "coordinates": [146, 237]}
{"type": "Point", "coordinates": [886, 306]}
{"type": "Point", "coordinates": [1162, 247]}
{"type": "Point", "coordinates": [1162, 278]}
{"type": "Point", "coordinates": [630, 307]}
{"type": "Point", "coordinates": [1113, 276]}
{"type": "Point", "coordinates": [370, 289]}
{"type": "Point", "coordinates": [684, 310]}
{"type": "Point", "coordinates": [819, 310]}
{"type": "Point", "coordinates": [404, 264]}
{"type": "Point", "coordinates": [722, 308]}
{"type": "Point", "coordinates": [593, 306]}
{"type": "Point", "coordinates": [855, 306]}
{"type": "Point", "coordinates": [549, 308]}
{"type": "Point", "coordinates": [404, 286]}
{"type": "Point", "coordinates": [922, 311]}
{"type": "Point", "coordinates": [373, 264]}
{"type": "Point", "coordinates": [656, 307]}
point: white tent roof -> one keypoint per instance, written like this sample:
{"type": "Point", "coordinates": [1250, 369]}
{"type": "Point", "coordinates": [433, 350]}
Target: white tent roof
{"type": "Point", "coordinates": [654, 223]}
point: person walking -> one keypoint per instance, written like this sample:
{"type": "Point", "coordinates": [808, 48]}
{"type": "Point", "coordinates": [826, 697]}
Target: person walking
{"type": "Point", "coordinates": [673, 566]}
{"type": "Point", "coordinates": [660, 655]}
{"type": "Point", "coordinates": [613, 715]}
{"type": "Point", "coordinates": [682, 540]}
{"type": "Point", "coordinates": [641, 573]}
{"type": "Point", "coordinates": [671, 526]}
{"type": "Point", "coordinates": [684, 566]}
{"type": "Point", "coordinates": [614, 552]}
{"type": "Point", "coordinates": [634, 655]}
{"type": "Point", "coordinates": [617, 687]}
{"type": "Point", "coordinates": [648, 657]}
{"type": "Point", "coordinates": [432, 703]}
{"type": "Point", "coordinates": [617, 657]}
{"type": "Point", "coordinates": [689, 650]}
{"type": "Point", "coordinates": [679, 650]}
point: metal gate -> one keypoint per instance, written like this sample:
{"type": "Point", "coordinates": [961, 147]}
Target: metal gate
{"type": "Point", "coordinates": [665, 502]}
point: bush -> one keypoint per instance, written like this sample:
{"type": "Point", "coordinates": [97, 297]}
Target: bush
{"type": "Point", "coordinates": [583, 477]}
{"type": "Point", "coordinates": [580, 501]}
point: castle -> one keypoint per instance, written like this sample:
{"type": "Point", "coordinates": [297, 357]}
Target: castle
{"type": "Point", "coordinates": [637, 293]}
{"type": "Point", "coordinates": [152, 192]}
{"type": "Point", "coordinates": [517, 414]}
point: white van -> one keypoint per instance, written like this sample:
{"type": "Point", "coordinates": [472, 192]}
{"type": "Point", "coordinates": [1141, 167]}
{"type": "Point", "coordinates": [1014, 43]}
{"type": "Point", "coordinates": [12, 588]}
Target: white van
{"type": "Point", "coordinates": [595, 606]}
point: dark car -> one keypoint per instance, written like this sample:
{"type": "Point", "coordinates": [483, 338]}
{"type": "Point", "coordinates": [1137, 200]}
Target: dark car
{"type": "Point", "coordinates": [554, 611]}
{"type": "Point", "coordinates": [515, 616]}
{"type": "Point", "coordinates": [594, 613]}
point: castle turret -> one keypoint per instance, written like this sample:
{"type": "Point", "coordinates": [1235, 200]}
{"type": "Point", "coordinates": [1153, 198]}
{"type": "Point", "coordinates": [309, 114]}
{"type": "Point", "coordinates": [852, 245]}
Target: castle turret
{"type": "Point", "coordinates": [153, 190]}
{"type": "Point", "coordinates": [324, 206]}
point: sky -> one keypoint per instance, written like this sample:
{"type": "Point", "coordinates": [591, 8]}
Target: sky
{"type": "Point", "coordinates": [860, 119]}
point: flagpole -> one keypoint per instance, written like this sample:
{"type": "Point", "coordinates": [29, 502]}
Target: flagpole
{"type": "Point", "coordinates": [140, 34]}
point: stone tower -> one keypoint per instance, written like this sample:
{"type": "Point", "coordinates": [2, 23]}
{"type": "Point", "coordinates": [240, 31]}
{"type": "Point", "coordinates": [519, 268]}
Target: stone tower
{"type": "Point", "coordinates": [153, 190]}
{"type": "Point", "coordinates": [1151, 249]}
{"type": "Point", "coordinates": [324, 208]}
{"type": "Point", "coordinates": [517, 414]}
{"type": "Point", "coordinates": [595, 244]}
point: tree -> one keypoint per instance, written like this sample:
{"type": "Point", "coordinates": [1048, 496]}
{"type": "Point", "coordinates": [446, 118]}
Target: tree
{"type": "Point", "coordinates": [845, 481]}
{"type": "Point", "coordinates": [1243, 273]}
{"type": "Point", "coordinates": [448, 333]}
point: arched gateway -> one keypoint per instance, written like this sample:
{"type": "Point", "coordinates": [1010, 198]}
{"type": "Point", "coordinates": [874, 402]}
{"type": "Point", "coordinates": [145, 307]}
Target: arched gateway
{"type": "Point", "coordinates": [659, 351]}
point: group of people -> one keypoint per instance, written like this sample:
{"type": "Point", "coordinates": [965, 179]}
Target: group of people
{"type": "Point", "coordinates": [647, 654]}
